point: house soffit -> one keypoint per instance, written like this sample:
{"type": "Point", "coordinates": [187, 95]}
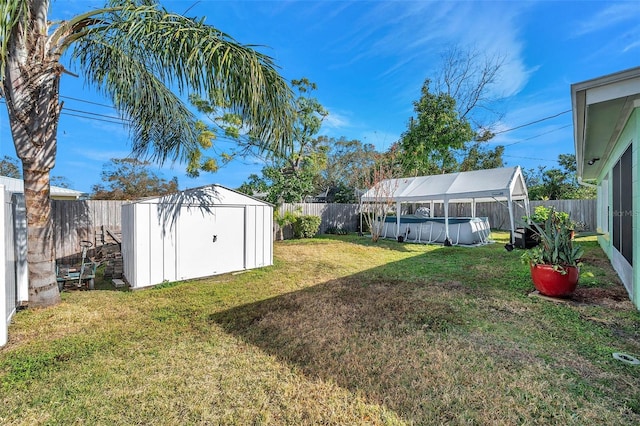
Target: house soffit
{"type": "Point", "coordinates": [601, 108]}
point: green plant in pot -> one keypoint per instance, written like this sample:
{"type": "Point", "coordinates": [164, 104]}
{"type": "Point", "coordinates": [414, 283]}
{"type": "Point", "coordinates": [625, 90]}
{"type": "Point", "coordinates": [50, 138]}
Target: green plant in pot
{"type": "Point", "coordinates": [555, 262]}
{"type": "Point", "coordinates": [541, 215]}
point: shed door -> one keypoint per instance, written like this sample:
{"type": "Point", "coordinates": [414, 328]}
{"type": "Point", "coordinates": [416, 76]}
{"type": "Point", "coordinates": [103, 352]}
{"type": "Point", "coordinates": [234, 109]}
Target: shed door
{"type": "Point", "coordinates": [210, 241]}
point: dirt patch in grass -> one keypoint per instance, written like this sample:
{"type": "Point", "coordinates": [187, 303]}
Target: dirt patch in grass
{"type": "Point", "coordinates": [613, 297]}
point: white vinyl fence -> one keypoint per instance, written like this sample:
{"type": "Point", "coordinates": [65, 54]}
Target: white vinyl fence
{"type": "Point", "coordinates": [13, 271]}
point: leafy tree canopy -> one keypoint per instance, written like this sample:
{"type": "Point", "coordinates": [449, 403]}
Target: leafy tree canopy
{"type": "Point", "coordinates": [347, 160]}
{"type": "Point", "coordinates": [9, 167]}
{"type": "Point", "coordinates": [290, 176]}
{"type": "Point", "coordinates": [131, 179]}
{"type": "Point", "coordinates": [427, 146]}
{"type": "Point", "coordinates": [558, 183]}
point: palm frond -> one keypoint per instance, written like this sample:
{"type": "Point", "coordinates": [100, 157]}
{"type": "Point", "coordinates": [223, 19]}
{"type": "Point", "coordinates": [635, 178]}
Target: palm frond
{"type": "Point", "coordinates": [12, 14]}
{"type": "Point", "coordinates": [137, 52]}
{"type": "Point", "coordinates": [161, 124]}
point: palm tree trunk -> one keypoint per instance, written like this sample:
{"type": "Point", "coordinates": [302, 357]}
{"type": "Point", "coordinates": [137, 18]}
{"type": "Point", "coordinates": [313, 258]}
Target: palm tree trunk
{"type": "Point", "coordinates": [43, 287]}
{"type": "Point", "coordinates": [31, 83]}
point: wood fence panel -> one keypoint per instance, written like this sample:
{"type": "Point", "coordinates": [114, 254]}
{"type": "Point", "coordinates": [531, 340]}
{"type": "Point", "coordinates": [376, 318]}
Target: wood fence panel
{"type": "Point", "coordinates": [346, 215]}
{"type": "Point", "coordinates": [581, 211]}
{"type": "Point", "coordinates": [75, 221]}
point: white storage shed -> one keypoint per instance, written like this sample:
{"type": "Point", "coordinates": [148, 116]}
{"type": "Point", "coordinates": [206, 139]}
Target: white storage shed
{"type": "Point", "coordinates": [195, 233]}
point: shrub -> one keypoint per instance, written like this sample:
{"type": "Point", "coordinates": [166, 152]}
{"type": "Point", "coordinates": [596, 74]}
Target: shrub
{"type": "Point", "coordinates": [285, 219]}
{"type": "Point", "coordinates": [338, 230]}
{"type": "Point", "coordinates": [306, 226]}
{"type": "Point", "coordinates": [541, 215]}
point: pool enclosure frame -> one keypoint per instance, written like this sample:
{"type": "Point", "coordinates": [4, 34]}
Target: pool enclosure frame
{"type": "Point", "coordinates": [504, 185]}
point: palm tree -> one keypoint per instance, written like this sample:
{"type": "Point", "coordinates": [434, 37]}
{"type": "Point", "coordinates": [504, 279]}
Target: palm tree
{"type": "Point", "coordinates": [132, 51]}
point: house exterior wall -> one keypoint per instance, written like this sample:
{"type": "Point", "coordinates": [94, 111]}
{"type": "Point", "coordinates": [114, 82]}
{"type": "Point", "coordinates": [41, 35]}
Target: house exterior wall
{"type": "Point", "coordinates": [629, 136]}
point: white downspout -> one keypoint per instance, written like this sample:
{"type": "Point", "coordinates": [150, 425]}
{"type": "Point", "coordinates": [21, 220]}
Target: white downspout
{"type": "Point", "coordinates": [527, 208]}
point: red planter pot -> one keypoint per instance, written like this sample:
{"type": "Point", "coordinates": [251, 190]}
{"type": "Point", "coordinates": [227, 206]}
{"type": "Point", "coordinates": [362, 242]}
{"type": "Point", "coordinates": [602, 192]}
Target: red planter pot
{"type": "Point", "coordinates": [553, 283]}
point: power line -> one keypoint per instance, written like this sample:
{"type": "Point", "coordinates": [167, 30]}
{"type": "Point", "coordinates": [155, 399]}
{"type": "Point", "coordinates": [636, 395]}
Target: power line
{"type": "Point", "coordinates": [533, 122]}
{"type": "Point", "coordinates": [96, 114]}
{"type": "Point", "coordinates": [92, 118]}
{"type": "Point", "coordinates": [88, 115]}
{"type": "Point", "coordinates": [87, 102]}
{"type": "Point", "coordinates": [530, 158]}
{"type": "Point", "coordinates": [538, 135]}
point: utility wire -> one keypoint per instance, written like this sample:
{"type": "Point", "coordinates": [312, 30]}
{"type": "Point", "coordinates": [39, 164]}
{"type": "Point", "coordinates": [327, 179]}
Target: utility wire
{"type": "Point", "coordinates": [111, 117]}
{"type": "Point", "coordinates": [537, 136]}
{"type": "Point", "coordinates": [88, 115]}
{"type": "Point", "coordinates": [532, 122]}
{"type": "Point", "coordinates": [87, 102]}
{"type": "Point", "coordinates": [530, 158]}
{"type": "Point", "coordinates": [93, 118]}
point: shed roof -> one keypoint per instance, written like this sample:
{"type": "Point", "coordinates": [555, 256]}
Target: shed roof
{"type": "Point", "coordinates": [478, 185]}
{"type": "Point", "coordinates": [208, 195]}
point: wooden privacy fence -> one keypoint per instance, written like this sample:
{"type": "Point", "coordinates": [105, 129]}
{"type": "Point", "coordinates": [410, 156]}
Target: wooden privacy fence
{"type": "Point", "coordinates": [100, 222]}
{"type": "Point", "coordinates": [346, 215]}
{"type": "Point", "coordinates": [343, 216]}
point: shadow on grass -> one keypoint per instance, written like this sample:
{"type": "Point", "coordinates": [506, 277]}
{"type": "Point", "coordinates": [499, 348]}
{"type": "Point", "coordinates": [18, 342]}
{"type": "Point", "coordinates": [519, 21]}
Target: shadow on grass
{"type": "Point", "coordinates": [360, 332]}
{"type": "Point", "coordinates": [430, 349]}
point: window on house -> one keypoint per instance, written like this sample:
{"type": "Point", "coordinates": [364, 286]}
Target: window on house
{"type": "Point", "coordinates": [623, 206]}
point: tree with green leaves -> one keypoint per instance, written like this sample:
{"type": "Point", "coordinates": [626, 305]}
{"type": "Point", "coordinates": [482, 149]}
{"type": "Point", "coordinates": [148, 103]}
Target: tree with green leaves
{"type": "Point", "coordinates": [478, 157]}
{"type": "Point", "coordinates": [346, 162]}
{"type": "Point", "coordinates": [131, 179]}
{"type": "Point", "coordinates": [427, 146]}
{"type": "Point", "coordinates": [133, 52]}
{"type": "Point", "coordinates": [557, 183]}
{"type": "Point", "coordinates": [468, 82]}
{"type": "Point", "coordinates": [9, 167]}
{"type": "Point", "coordinates": [254, 186]}
{"type": "Point", "coordinates": [290, 176]}
{"type": "Point", "coordinates": [222, 126]}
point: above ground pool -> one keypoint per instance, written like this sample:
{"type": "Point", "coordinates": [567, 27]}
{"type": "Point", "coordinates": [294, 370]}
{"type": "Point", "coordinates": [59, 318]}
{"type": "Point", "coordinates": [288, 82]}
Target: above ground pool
{"type": "Point", "coordinates": [419, 229]}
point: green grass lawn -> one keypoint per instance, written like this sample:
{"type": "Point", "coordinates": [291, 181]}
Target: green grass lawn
{"type": "Point", "coordinates": [338, 331]}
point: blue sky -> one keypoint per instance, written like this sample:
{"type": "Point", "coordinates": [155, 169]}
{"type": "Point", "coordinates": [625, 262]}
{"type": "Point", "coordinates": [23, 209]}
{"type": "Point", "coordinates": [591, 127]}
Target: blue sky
{"type": "Point", "coordinates": [369, 60]}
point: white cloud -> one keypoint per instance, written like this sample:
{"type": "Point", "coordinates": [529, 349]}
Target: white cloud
{"type": "Point", "coordinates": [611, 16]}
{"type": "Point", "coordinates": [335, 121]}
{"type": "Point", "coordinates": [632, 45]}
